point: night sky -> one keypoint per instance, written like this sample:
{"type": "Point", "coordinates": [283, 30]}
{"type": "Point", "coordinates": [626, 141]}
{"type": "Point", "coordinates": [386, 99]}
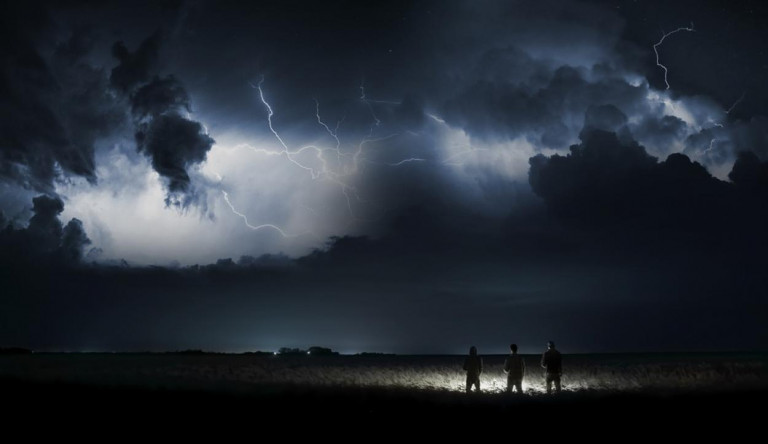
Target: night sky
{"type": "Point", "coordinates": [394, 176]}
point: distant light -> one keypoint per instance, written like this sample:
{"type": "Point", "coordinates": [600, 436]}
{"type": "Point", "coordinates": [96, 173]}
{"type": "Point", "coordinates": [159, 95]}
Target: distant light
{"type": "Point", "coordinates": [309, 352]}
{"type": "Point", "coordinates": [274, 353]}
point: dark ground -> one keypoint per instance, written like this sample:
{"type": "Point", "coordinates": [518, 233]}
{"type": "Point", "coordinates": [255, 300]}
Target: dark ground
{"type": "Point", "coordinates": [296, 411]}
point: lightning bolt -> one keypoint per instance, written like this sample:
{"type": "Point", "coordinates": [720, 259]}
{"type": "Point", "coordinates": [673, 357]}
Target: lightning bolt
{"type": "Point", "coordinates": [350, 192]}
{"type": "Point", "coordinates": [720, 125]}
{"type": "Point", "coordinates": [728, 111]}
{"type": "Point", "coordinates": [656, 48]}
{"type": "Point", "coordinates": [450, 159]}
{"type": "Point", "coordinates": [376, 120]}
{"type": "Point", "coordinates": [270, 113]}
{"type": "Point", "coordinates": [437, 119]}
{"type": "Point", "coordinates": [356, 155]}
{"type": "Point", "coordinates": [286, 151]}
{"type": "Point", "coordinates": [352, 161]}
{"type": "Point", "coordinates": [334, 132]}
{"type": "Point", "coordinates": [257, 227]}
{"type": "Point", "coordinates": [404, 161]}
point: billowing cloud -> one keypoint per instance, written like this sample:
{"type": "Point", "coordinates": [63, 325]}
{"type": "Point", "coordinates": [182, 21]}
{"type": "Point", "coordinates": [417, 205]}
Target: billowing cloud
{"type": "Point", "coordinates": [408, 168]}
{"type": "Point", "coordinates": [173, 142]}
{"type": "Point", "coordinates": [55, 106]}
{"type": "Point", "coordinates": [73, 241]}
{"type": "Point", "coordinates": [135, 68]}
{"type": "Point", "coordinates": [621, 197]}
{"type": "Point", "coordinates": [158, 97]}
{"type": "Point", "coordinates": [749, 173]}
{"type": "Point", "coordinates": [45, 240]}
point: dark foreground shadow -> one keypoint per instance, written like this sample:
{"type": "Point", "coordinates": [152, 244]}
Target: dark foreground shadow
{"type": "Point", "coordinates": [310, 409]}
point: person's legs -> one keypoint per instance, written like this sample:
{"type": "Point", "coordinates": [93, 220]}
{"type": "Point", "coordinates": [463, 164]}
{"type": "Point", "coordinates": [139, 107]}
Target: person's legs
{"type": "Point", "coordinates": [557, 384]}
{"type": "Point", "coordinates": [473, 380]}
{"type": "Point", "coordinates": [519, 385]}
{"type": "Point", "coordinates": [510, 383]}
{"type": "Point", "coordinates": [549, 384]}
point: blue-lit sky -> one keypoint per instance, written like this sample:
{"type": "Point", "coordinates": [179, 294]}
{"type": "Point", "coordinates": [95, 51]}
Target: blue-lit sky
{"type": "Point", "coordinates": [396, 176]}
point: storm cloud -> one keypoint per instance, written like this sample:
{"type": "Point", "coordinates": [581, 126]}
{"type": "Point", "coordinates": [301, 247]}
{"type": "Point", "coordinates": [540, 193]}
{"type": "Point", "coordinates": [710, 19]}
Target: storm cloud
{"type": "Point", "coordinates": [398, 176]}
{"type": "Point", "coordinates": [173, 142]}
{"type": "Point", "coordinates": [45, 241]}
{"type": "Point", "coordinates": [55, 105]}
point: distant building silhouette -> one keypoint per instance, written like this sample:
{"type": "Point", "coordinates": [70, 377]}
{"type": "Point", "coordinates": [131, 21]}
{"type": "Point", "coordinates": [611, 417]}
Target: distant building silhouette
{"type": "Point", "coordinates": [514, 367]}
{"type": "Point", "coordinates": [473, 364]}
{"type": "Point", "coordinates": [553, 362]}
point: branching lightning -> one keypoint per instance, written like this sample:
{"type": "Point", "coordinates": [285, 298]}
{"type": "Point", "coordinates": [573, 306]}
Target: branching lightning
{"type": "Point", "coordinates": [333, 132]}
{"type": "Point", "coordinates": [348, 169]}
{"type": "Point", "coordinates": [714, 139]}
{"type": "Point", "coordinates": [656, 49]}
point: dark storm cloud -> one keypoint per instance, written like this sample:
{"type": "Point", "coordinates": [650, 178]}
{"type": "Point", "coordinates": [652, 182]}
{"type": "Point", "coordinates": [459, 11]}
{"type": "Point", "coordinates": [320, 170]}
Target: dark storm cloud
{"type": "Point", "coordinates": [158, 97]}
{"type": "Point", "coordinates": [73, 241]}
{"type": "Point", "coordinates": [620, 197]}
{"type": "Point", "coordinates": [45, 226]}
{"type": "Point", "coordinates": [173, 142]}
{"type": "Point", "coordinates": [661, 132]}
{"type": "Point", "coordinates": [54, 105]}
{"type": "Point", "coordinates": [751, 135]}
{"type": "Point", "coordinates": [721, 59]}
{"type": "Point", "coordinates": [605, 117]}
{"type": "Point", "coordinates": [547, 108]}
{"type": "Point", "coordinates": [57, 104]}
{"type": "Point", "coordinates": [45, 241]}
{"type": "Point", "coordinates": [609, 248]}
{"type": "Point", "coordinates": [750, 174]}
{"type": "Point", "coordinates": [720, 144]}
{"type": "Point", "coordinates": [136, 67]}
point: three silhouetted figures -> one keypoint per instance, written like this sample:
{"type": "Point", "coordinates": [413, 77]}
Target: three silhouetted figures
{"type": "Point", "coordinates": [514, 367]}
{"type": "Point", "coordinates": [474, 367]}
{"type": "Point", "coordinates": [553, 363]}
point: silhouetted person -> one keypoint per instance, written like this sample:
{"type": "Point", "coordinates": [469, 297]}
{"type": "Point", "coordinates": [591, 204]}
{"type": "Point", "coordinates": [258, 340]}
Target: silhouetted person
{"type": "Point", "coordinates": [514, 367]}
{"type": "Point", "coordinates": [474, 366]}
{"type": "Point", "coordinates": [553, 362]}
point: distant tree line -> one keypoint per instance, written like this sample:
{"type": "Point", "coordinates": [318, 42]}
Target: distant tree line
{"type": "Point", "coordinates": [311, 351]}
{"type": "Point", "coordinates": [14, 351]}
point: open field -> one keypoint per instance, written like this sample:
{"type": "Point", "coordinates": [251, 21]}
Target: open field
{"type": "Point", "coordinates": [685, 396]}
{"type": "Point", "coordinates": [625, 373]}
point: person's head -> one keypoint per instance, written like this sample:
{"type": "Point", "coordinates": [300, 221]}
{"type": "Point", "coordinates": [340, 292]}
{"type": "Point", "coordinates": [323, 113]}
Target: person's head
{"type": "Point", "coordinates": [513, 348]}
{"type": "Point", "coordinates": [473, 351]}
{"type": "Point", "coordinates": [551, 345]}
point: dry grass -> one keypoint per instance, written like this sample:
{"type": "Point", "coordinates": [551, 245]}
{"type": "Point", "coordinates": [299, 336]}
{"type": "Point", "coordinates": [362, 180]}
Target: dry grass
{"type": "Point", "coordinates": [619, 373]}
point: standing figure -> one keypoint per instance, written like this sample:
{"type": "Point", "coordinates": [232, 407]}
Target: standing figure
{"type": "Point", "coordinates": [553, 362]}
{"type": "Point", "coordinates": [474, 367]}
{"type": "Point", "coordinates": [514, 367]}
